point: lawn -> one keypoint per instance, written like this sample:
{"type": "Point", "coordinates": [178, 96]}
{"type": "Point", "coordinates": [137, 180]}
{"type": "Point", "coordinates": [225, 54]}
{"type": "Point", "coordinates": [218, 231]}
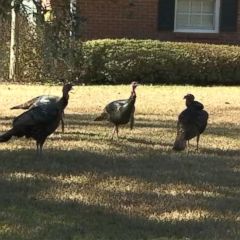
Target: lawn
{"type": "Point", "coordinates": [89, 187]}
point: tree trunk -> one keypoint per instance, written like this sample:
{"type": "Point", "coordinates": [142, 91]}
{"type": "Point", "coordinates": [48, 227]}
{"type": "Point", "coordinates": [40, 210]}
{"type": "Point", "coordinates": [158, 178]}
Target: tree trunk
{"type": "Point", "coordinates": [14, 45]}
{"type": "Point", "coordinates": [73, 13]}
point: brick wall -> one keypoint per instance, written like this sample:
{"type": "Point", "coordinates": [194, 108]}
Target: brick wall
{"type": "Point", "coordinates": [118, 18]}
{"type": "Point", "coordinates": [136, 19]}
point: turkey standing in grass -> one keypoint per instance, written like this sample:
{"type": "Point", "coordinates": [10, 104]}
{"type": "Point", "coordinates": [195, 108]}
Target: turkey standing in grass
{"type": "Point", "coordinates": [121, 111]}
{"type": "Point", "coordinates": [40, 121]}
{"type": "Point", "coordinates": [40, 100]}
{"type": "Point", "coordinates": [191, 123]}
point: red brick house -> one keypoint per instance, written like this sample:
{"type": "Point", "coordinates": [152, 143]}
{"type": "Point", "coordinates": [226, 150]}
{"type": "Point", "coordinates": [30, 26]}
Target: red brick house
{"type": "Point", "coordinates": [174, 20]}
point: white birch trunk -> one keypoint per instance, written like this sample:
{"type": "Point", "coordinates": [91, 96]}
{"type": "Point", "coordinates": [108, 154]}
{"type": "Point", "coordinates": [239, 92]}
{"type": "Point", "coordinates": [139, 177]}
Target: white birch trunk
{"type": "Point", "coordinates": [73, 12]}
{"type": "Point", "coordinates": [14, 45]}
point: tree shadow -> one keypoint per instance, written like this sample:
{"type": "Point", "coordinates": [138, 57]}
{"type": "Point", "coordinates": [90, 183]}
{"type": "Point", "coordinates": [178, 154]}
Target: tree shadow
{"type": "Point", "coordinates": [230, 130]}
{"type": "Point", "coordinates": [221, 152]}
{"type": "Point", "coordinates": [150, 166]}
{"type": "Point", "coordinates": [29, 199]}
{"type": "Point", "coordinates": [87, 120]}
{"type": "Point", "coordinates": [23, 204]}
{"type": "Point", "coordinates": [147, 142]}
{"type": "Point", "coordinates": [82, 120]}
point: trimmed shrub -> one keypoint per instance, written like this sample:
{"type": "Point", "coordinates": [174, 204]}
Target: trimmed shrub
{"type": "Point", "coordinates": [121, 61]}
{"type": "Point", "coordinates": [150, 61]}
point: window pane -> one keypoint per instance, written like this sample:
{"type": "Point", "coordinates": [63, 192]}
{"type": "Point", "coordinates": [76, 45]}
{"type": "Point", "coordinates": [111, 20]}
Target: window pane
{"type": "Point", "coordinates": [195, 14]}
{"type": "Point", "coordinates": [208, 22]}
{"type": "Point", "coordinates": [208, 6]}
{"type": "Point", "coordinates": [196, 6]}
{"type": "Point", "coordinates": [182, 21]}
{"type": "Point", "coordinates": [183, 5]}
{"type": "Point", "coordinates": [195, 21]}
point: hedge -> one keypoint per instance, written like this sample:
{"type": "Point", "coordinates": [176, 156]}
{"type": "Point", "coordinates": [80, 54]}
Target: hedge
{"type": "Point", "coordinates": [151, 61]}
{"type": "Point", "coordinates": [121, 61]}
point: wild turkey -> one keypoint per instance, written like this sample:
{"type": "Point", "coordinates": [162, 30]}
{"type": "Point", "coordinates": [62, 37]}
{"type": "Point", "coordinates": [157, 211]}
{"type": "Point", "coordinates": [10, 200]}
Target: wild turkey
{"type": "Point", "coordinates": [40, 100]}
{"type": "Point", "coordinates": [40, 121]}
{"type": "Point", "coordinates": [121, 111]}
{"type": "Point", "coordinates": [191, 123]}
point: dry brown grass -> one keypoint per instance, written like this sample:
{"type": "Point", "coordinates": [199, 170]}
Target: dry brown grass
{"type": "Point", "coordinates": [88, 187]}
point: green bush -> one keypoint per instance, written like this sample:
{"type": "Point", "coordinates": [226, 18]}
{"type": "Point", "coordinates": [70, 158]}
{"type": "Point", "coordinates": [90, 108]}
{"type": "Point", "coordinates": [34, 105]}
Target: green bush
{"type": "Point", "coordinates": [121, 61]}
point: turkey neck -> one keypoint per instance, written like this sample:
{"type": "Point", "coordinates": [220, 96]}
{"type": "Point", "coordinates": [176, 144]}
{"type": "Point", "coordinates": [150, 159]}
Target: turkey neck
{"type": "Point", "coordinates": [133, 93]}
{"type": "Point", "coordinates": [132, 99]}
{"type": "Point", "coordinates": [64, 100]}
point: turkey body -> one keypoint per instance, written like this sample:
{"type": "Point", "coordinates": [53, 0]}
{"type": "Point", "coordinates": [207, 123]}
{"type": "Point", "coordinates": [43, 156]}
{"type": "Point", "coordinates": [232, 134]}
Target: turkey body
{"type": "Point", "coordinates": [41, 101]}
{"type": "Point", "coordinates": [37, 101]}
{"type": "Point", "coordinates": [120, 112]}
{"type": "Point", "coordinates": [39, 121]}
{"type": "Point", "coordinates": [192, 122]}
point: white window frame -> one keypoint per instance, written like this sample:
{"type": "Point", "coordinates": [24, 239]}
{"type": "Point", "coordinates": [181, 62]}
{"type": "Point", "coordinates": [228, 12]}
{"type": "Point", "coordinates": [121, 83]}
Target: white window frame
{"type": "Point", "coordinates": [217, 19]}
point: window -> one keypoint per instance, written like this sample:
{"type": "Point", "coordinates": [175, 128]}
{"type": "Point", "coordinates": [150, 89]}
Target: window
{"type": "Point", "coordinates": [197, 16]}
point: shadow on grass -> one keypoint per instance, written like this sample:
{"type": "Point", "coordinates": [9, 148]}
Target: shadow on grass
{"type": "Point", "coordinates": [82, 120]}
{"type": "Point", "coordinates": [25, 202]}
{"type": "Point", "coordinates": [229, 130]}
{"type": "Point", "coordinates": [49, 219]}
{"type": "Point", "coordinates": [153, 166]}
{"type": "Point", "coordinates": [36, 216]}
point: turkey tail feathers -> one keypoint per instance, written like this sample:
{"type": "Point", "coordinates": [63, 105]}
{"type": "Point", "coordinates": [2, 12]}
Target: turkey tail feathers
{"type": "Point", "coordinates": [180, 141]}
{"type": "Point", "coordinates": [6, 136]}
{"type": "Point", "coordinates": [18, 107]}
{"type": "Point", "coordinates": [25, 105]}
{"type": "Point", "coordinates": [103, 116]}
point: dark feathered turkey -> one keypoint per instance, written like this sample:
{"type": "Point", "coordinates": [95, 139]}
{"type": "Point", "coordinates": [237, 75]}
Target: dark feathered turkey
{"type": "Point", "coordinates": [120, 112]}
{"type": "Point", "coordinates": [40, 121]}
{"type": "Point", "coordinates": [191, 123]}
{"type": "Point", "coordinates": [40, 100]}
